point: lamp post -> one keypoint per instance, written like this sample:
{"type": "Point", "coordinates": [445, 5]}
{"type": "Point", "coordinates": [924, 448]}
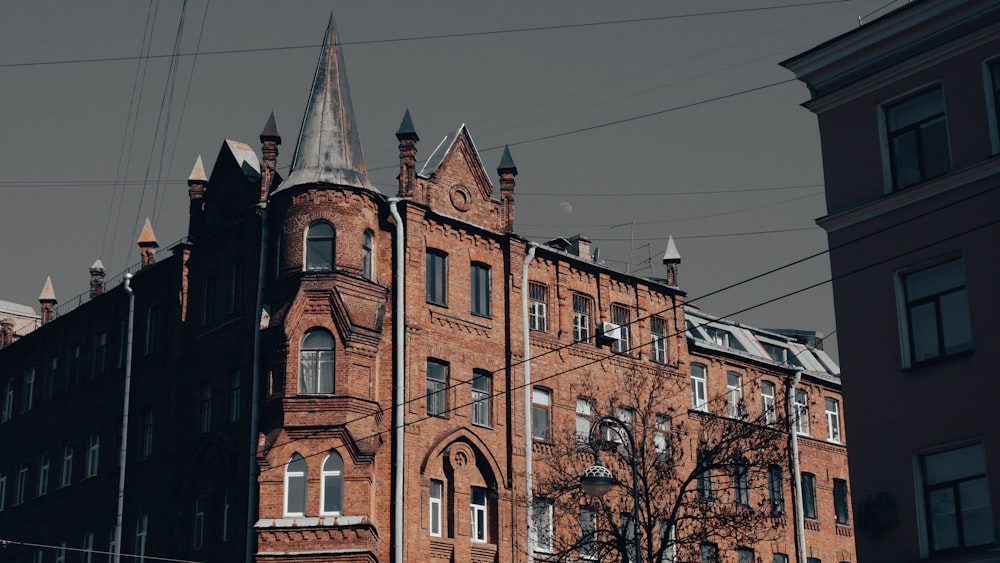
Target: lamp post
{"type": "Point", "coordinates": [597, 480]}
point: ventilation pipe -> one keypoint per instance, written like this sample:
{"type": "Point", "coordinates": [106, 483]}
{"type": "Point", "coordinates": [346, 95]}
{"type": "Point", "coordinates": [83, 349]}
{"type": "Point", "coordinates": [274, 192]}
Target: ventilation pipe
{"type": "Point", "coordinates": [124, 449]}
{"type": "Point", "coordinates": [800, 537]}
{"type": "Point", "coordinates": [399, 411]}
{"type": "Point", "coordinates": [525, 329]}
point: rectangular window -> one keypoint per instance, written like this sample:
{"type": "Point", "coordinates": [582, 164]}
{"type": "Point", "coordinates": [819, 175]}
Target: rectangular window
{"type": "Point", "coordinates": [93, 455]}
{"type": "Point", "coordinates": [832, 419]}
{"type": "Point", "coordinates": [60, 553]}
{"type": "Point", "coordinates": [198, 537]}
{"type": "Point", "coordinates": [66, 476]}
{"type": "Point", "coordinates": [801, 411]}
{"type": "Point", "coordinates": [809, 495]}
{"type": "Point", "coordinates": [44, 466]}
{"type": "Point", "coordinates": [699, 386]}
{"type": "Point", "coordinates": [709, 553]}
{"type": "Point", "coordinates": [745, 555]}
{"type": "Point", "coordinates": [541, 405]}
{"type": "Point", "coordinates": [658, 331]}
{"type": "Point", "coordinates": [621, 316]}
{"type": "Point", "coordinates": [51, 378]}
{"type": "Point", "coordinates": [542, 520]}
{"type": "Point", "coordinates": [479, 520]}
{"type": "Point", "coordinates": [917, 139]}
{"type": "Point", "coordinates": [8, 401]}
{"type": "Point", "coordinates": [147, 433]}
{"type": "Point", "coordinates": [767, 402]}
{"type": "Point", "coordinates": [3, 491]}
{"type": "Point", "coordinates": [840, 501]}
{"type": "Point", "coordinates": [22, 483]}
{"type": "Point", "coordinates": [100, 353]}
{"type": "Point", "coordinates": [582, 306]}
{"type": "Point", "coordinates": [668, 539]}
{"type": "Point", "coordinates": [615, 434]}
{"type": "Point", "coordinates": [588, 529]}
{"type": "Point", "coordinates": [741, 482]}
{"type": "Point", "coordinates": [74, 367]}
{"type": "Point", "coordinates": [957, 499]}
{"type": "Point", "coordinates": [480, 289]}
{"type": "Point", "coordinates": [482, 391]}
{"type": "Point", "coordinates": [28, 391]}
{"type": "Point", "coordinates": [661, 438]}
{"type": "Point", "coordinates": [208, 301]}
{"type": "Point", "coordinates": [628, 531]}
{"type": "Point", "coordinates": [87, 556]}
{"type": "Point", "coordinates": [776, 490]}
{"type": "Point", "coordinates": [235, 394]}
{"type": "Point", "coordinates": [537, 306]}
{"type": "Point", "coordinates": [437, 489]}
{"type": "Point", "coordinates": [779, 558]}
{"type": "Point", "coordinates": [704, 480]}
{"type": "Point", "coordinates": [141, 530]}
{"type": "Point", "coordinates": [734, 395]}
{"type": "Point", "coordinates": [205, 412]}
{"type": "Point", "coordinates": [224, 532]}
{"type": "Point", "coordinates": [437, 277]}
{"type": "Point", "coordinates": [437, 386]}
{"type": "Point", "coordinates": [152, 329]}
{"type": "Point", "coordinates": [236, 288]}
{"type": "Point", "coordinates": [934, 316]}
{"type": "Point", "coordinates": [584, 417]}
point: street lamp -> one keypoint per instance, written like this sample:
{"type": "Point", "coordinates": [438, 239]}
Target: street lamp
{"type": "Point", "coordinates": [597, 480]}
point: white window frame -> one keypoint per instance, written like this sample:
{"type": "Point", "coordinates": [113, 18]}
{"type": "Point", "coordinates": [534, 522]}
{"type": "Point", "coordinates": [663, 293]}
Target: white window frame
{"type": "Point", "coordinates": [541, 401]}
{"type": "Point", "coordinates": [112, 544]}
{"type": "Point", "coordinates": [588, 527]}
{"type": "Point", "coordinates": [615, 434]}
{"type": "Point", "coordinates": [437, 388]}
{"type": "Point", "coordinates": [8, 401]}
{"type": "Point", "coordinates": [479, 532]}
{"type": "Point", "coordinates": [435, 492]}
{"type": "Point", "coordinates": [538, 296]}
{"type": "Point", "coordinates": [93, 455]}
{"type": "Point", "coordinates": [661, 435]}
{"type": "Point", "coordinates": [367, 255]}
{"type": "Point", "coordinates": [87, 555]}
{"type": "Point", "coordinates": [621, 315]}
{"type": "Point", "coordinates": [21, 486]}
{"type": "Point", "coordinates": [28, 393]}
{"type": "Point", "coordinates": [832, 407]}
{"type": "Point", "coordinates": [296, 474]}
{"type": "Point", "coordinates": [141, 534]}
{"type": "Point", "coordinates": [541, 513]}
{"type": "Point", "coordinates": [60, 553]}
{"type": "Point", "coordinates": [482, 392]}
{"type": "Point", "coordinates": [198, 539]}
{"type": "Point", "coordinates": [658, 340]}
{"type": "Point", "coordinates": [66, 475]}
{"type": "Point", "coordinates": [800, 409]}
{"type": "Point", "coordinates": [670, 552]}
{"type": "Point", "coordinates": [699, 387]}
{"type": "Point", "coordinates": [768, 390]}
{"type": "Point", "coordinates": [583, 307]}
{"type": "Point", "coordinates": [329, 473]}
{"type": "Point", "coordinates": [318, 356]}
{"type": "Point", "coordinates": [584, 419]}
{"type": "Point", "coordinates": [44, 468]}
{"type": "Point", "coordinates": [734, 395]}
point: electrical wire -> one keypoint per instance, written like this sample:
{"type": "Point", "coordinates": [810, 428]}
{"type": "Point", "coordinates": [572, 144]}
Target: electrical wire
{"type": "Point", "coordinates": [137, 556]}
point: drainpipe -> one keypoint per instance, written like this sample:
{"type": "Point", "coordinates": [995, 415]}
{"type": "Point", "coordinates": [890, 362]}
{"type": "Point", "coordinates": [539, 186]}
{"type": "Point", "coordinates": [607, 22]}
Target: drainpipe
{"type": "Point", "coordinates": [252, 491]}
{"type": "Point", "coordinates": [800, 536]}
{"type": "Point", "coordinates": [399, 415]}
{"type": "Point", "coordinates": [124, 449]}
{"type": "Point", "coordinates": [525, 329]}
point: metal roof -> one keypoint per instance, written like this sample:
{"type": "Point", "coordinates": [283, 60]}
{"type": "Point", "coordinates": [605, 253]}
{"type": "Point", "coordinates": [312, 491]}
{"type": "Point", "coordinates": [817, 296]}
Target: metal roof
{"type": "Point", "coordinates": [17, 309]}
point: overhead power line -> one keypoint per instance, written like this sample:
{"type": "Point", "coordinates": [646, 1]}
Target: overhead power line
{"type": "Point", "coordinates": [428, 37]}
{"type": "Point", "coordinates": [135, 556]}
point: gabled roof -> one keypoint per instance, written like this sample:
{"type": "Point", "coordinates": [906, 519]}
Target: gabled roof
{"type": "Point", "coordinates": [329, 148]}
{"type": "Point", "coordinates": [246, 158]}
{"type": "Point", "coordinates": [447, 147]}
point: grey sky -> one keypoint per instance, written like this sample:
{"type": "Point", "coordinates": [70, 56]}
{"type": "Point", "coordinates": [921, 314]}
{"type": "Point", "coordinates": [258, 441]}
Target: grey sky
{"type": "Point", "coordinates": [64, 125]}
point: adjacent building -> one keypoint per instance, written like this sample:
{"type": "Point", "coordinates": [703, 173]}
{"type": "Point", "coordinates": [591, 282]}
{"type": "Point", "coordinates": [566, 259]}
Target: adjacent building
{"type": "Point", "coordinates": [321, 372]}
{"type": "Point", "coordinates": [908, 115]}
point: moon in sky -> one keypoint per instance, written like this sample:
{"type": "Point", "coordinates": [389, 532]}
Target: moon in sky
{"type": "Point", "coordinates": [566, 207]}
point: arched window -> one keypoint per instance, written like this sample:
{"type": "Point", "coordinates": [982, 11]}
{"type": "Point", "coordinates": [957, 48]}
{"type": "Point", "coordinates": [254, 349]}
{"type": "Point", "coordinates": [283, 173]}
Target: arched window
{"type": "Point", "coordinates": [367, 247]}
{"type": "Point", "coordinates": [319, 247]}
{"type": "Point", "coordinates": [316, 362]}
{"type": "Point", "coordinates": [295, 486]}
{"type": "Point", "coordinates": [333, 484]}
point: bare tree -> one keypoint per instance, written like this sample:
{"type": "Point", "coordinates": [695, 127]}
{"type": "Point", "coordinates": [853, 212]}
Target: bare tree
{"type": "Point", "coordinates": [703, 477]}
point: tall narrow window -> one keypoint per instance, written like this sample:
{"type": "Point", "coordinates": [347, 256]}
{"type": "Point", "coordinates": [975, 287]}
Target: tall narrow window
{"type": "Point", "coordinates": [236, 287]}
{"type": "Point", "coordinates": [295, 486]}
{"type": "Point", "coordinates": [616, 434]}
{"type": "Point", "coordinates": [767, 401]}
{"type": "Point", "coordinates": [66, 476]}
{"type": "Point", "coordinates": [367, 251]}
{"type": "Point", "coordinates": [316, 373]}
{"type": "Point", "coordinates": [100, 353]}
{"type": "Point", "coordinates": [936, 320]}
{"type": "Point", "coordinates": [588, 531]}
{"type": "Point", "coordinates": [621, 316]}
{"type": "Point", "coordinates": [542, 521]}
{"type": "Point", "coordinates": [224, 532]}
{"type": "Point", "coordinates": [93, 455]}
{"type": "Point", "coordinates": [51, 378]}
{"type": "Point", "coordinates": [28, 391]}
{"type": "Point", "coordinates": [87, 555]}
{"type": "Point", "coordinates": [22, 483]}
{"type": "Point", "coordinates": [704, 480]}
{"type": "Point", "coordinates": [832, 419]}
{"type": "Point", "coordinates": [44, 464]}
{"type": "Point", "coordinates": [112, 544]}
{"type": "Point", "coordinates": [537, 306]}
{"type": "Point", "coordinates": [699, 388]}
{"type": "Point", "coordinates": [658, 331]}
{"type": "Point", "coordinates": [208, 300]}
{"type": "Point", "coordinates": [235, 395]}
{"type": "Point", "coordinates": [480, 289]}
{"type": "Point", "coordinates": [809, 495]}
{"type": "Point", "coordinates": [437, 388]}
{"type": "Point", "coordinates": [776, 490]}
{"type": "Point", "coordinates": [541, 405]}
{"type": "Point", "coordinates": [478, 505]}
{"type": "Point", "coordinates": [199, 522]}
{"type": "Point", "coordinates": [801, 412]}
{"type": "Point", "coordinates": [74, 358]}
{"type": "Point", "coordinates": [333, 484]}
{"type": "Point", "coordinates": [205, 413]}
{"type": "Point", "coordinates": [436, 281]}
{"type": "Point", "coordinates": [741, 482]}
{"type": "Point", "coordinates": [957, 498]}
{"type": "Point", "coordinates": [141, 531]}
{"type": "Point", "coordinates": [8, 401]}
{"type": "Point", "coordinates": [661, 438]}
{"type": "Point", "coordinates": [917, 134]}
{"type": "Point", "coordinates": [152, 333]}
{"type": "Point", "coordinates": [437, 489]}
{"type": "Point", "coordinates": [147, 433]}
{"type": "Point", "coordinates": [482, 390]}
{"type": "Point", "coordinates": [584, 417]}
{"type": "Point", "coordinates": [668, 541]}
{"type": "Point", "coordinates": [319, 247]}
{"type": "Point", "coordinates": [3, 491]}
{"type": "Point", "coordinates": [582, 306]}
{"type": "Point", "coordinates": [60, 553]}
{"type": "Point", "coordinates": [994, 87]}
{"type": "Point", "coordinates": [840, 501]}
{"type": "Point", "coordinates": [734, 395]}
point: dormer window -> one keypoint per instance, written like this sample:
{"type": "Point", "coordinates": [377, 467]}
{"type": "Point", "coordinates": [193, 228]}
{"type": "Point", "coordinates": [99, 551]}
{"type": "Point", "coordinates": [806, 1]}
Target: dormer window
{"type": "Point", "coordinates": [319, 247]}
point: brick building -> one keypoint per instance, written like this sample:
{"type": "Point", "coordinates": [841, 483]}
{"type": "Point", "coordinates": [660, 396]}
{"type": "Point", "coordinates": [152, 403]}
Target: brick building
{"type": "Point", "coordinates": [907, 108]}
{"type": "Point", "coordinates": [321, 372]}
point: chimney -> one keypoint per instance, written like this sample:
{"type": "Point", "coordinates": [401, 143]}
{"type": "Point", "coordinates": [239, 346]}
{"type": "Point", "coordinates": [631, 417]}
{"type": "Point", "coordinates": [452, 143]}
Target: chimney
{"type": "Point", "coordinates": [270, 139]}
{"type": "Point", "coordinates": [96, 279]}
{"type": "Point", "coordinates": [147, 245]}
{"type": "Point", "coordinates": [671, 258]}
{"type": "Point", "coordinates": [581, 246]}
{"type": "Point", "coordinates": [48, 301]}
{"type": "Point", "coordinates": [407, 136]}
{"type": "Point", "coordinates": [197, 183]}
{"type": "Point", "coordinates": [6, 332]}
{"type": "Point", "coordinates": [507, 170]}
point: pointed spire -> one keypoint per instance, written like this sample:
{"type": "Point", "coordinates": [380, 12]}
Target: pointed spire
{"type": "Point", "coordinates": [198, 172]}
{"type": "Point", "coordinates": [329, 148]}
{"type": "Point", "coordinates": [147, 236]}
{"type": "Point", "coordinates": [48, 294]}
{"type": "Point", "coordinates": [406, 128]}
{"type": "Point", "coordinates": [670, 255]}
{"type": "Point", "coordinates": [507, 170]}
{"type": "Point", "coordinates": [270, 132]}
{"type": "Point", "coordinates": [506, 162]}
{"type": "Point", "coordinates": [48, 301]}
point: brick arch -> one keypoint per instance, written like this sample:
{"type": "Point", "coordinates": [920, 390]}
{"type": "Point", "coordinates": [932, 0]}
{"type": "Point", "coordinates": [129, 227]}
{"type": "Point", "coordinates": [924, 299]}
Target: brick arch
{"type": "Point", "coordinates": [472, 441]}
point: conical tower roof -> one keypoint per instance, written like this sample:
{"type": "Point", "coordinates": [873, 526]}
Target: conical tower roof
{"type": "Point", "coordinates": [329, 148]}
{"type": "Point", "coordinates": [146, 236]}
{"type": "Point", "coordinates": [48, 294]}
{"type": "Point", "coordinates": [670, 255]}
